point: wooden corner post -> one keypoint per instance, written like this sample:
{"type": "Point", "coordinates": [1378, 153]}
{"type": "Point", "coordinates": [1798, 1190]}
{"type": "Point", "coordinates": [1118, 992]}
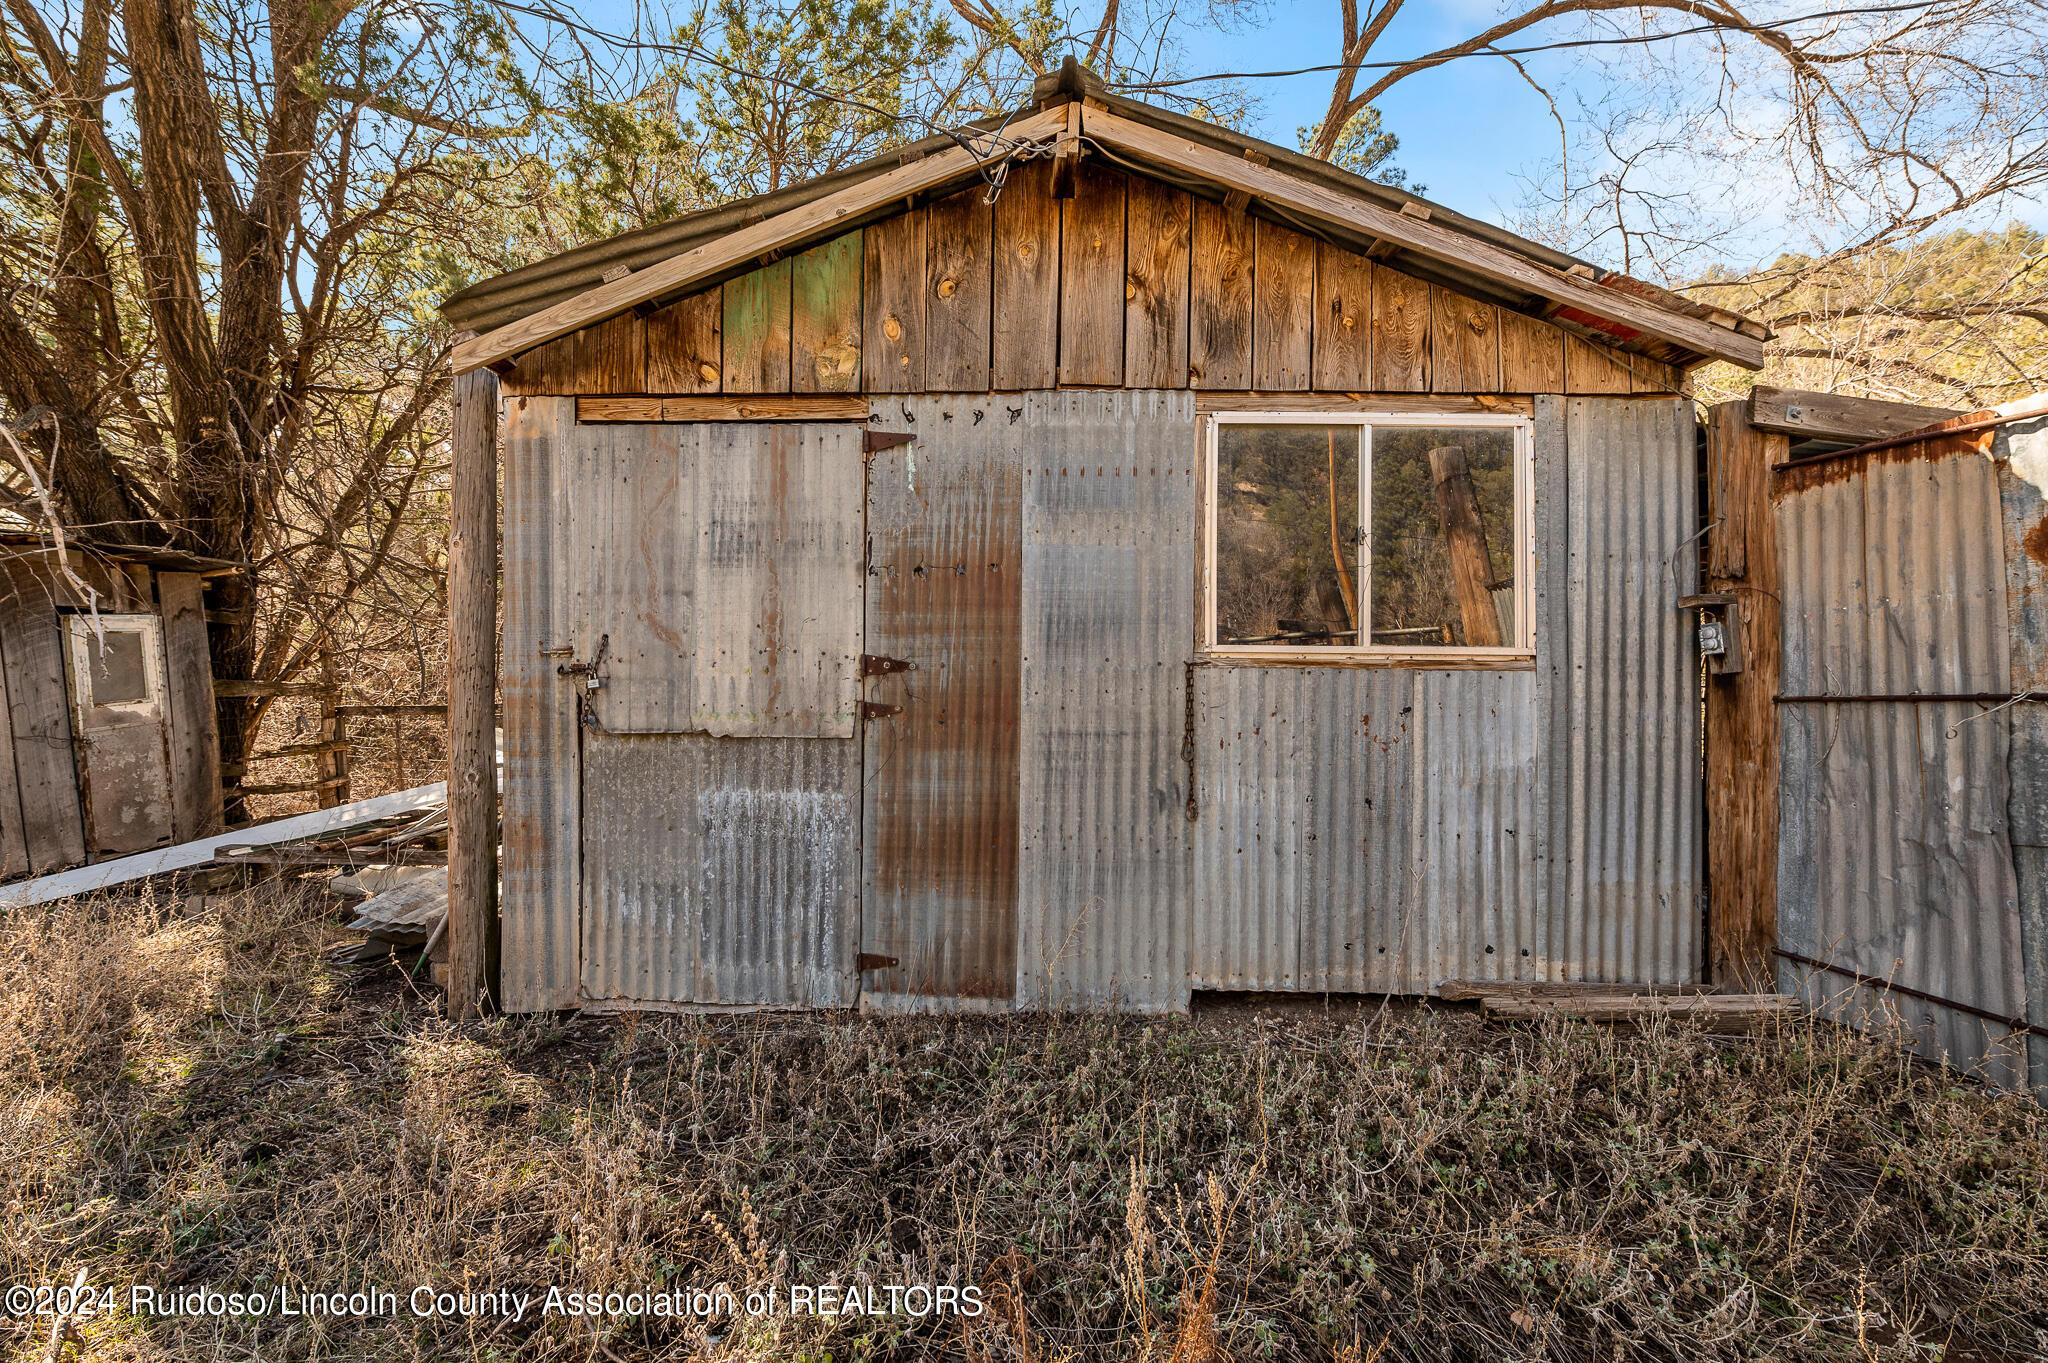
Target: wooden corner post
{"type": "Point", "coordinates": [472, 699]}
{"type": "Point", "coordinates": [1741, 710]}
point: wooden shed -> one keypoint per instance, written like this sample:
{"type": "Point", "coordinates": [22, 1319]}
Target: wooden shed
{"type": "Point", "coordinates": [1090, 560]}
{"type": "Point", "coordinates": [111, 744]}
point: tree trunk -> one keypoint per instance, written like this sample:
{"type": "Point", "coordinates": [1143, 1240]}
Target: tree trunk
{"type": "Point", "coordinates": [1457, 509]}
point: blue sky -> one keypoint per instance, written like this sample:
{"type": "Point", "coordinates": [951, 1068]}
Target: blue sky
{"type": "Point", "coordinates": [1472, 132]}
{"type": "Point", "coordinates": [1470, 128]}
{"type": "Point", "coordinates": [1466, 129]}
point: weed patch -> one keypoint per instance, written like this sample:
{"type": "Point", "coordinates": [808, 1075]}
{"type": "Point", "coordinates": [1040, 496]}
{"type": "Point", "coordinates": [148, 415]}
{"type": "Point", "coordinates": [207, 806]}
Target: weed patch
{"type": "Point", "coordinates": [200, 1102]}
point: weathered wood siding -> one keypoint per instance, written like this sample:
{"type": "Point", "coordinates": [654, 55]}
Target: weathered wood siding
{"type": "Point", "coordinates": [195, 726]}
{"type": "Point", "coordinates": [1130, 283]}
{"type": "Point", "coordinates": [43, 825]}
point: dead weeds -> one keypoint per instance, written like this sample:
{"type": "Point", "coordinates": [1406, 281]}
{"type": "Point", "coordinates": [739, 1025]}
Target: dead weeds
{"type": "Point", "coordinates": [199, 1102]}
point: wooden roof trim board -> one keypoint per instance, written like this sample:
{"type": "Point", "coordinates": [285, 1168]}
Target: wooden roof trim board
{"type": "Point", "coordinates": [1423, 237]}
{"type": "Point", "coordinates": [1835, 416]}
{"type": "Point", "coordinates": [818, 219]}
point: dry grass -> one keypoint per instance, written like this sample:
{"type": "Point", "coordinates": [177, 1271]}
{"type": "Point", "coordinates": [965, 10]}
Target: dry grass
{"type": "Point", "coordinates": [199, 1102]}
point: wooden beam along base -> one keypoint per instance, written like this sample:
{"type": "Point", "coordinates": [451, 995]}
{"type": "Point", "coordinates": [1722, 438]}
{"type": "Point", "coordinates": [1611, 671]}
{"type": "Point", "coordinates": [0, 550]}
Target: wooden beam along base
{"type": "Point", "coordinates": [765, 408]}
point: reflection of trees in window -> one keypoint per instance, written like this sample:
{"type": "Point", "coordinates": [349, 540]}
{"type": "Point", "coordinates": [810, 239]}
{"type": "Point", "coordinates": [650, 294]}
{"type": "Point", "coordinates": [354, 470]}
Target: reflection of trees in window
{"type": "Point", "coordinates": [1442, 549]}
{"type": "Point", "coordinates": [1286, 534]}
{"type": "Point", "coordinates": [1443, 536]}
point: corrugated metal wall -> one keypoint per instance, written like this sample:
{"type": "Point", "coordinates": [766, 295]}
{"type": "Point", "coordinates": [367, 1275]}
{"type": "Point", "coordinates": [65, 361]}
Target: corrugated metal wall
{"type": "Point", "coordinates": [1392, 829]}
{"type": "Point", "coordinates": [1368, 830]}
{"type": "Point", "coordinates": [720, 870]}
{"type": "Point", "coordinates": [722, 565]}
{"type": "Point", "coordinates": [1108, 619]}
{"type": "Point", "coordinates": [1895, 858]}
{"type": "Point", "coordinates": [944, 588]}
{"type": "Point", "coordinates": [1359, 829]}
{"type": "Point", "coordinates": [539, 892]}
{"type": "Point", "coordinates": [1632, 860]}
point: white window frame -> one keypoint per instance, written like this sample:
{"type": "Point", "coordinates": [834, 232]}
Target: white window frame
{"type": "Point", "coordinates": [84, 631]}
{"type": "Point", "coordinates": [1524, 647]}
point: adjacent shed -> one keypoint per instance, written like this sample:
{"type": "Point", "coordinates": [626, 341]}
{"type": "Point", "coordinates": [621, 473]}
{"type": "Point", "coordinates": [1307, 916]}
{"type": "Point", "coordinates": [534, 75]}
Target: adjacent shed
{"type": "Point", "coordinates": [110, 744]}
{"type": "Point", "coordinates": [1093, 560]}
{"type": "Point", "coordinates": [1912, 750]}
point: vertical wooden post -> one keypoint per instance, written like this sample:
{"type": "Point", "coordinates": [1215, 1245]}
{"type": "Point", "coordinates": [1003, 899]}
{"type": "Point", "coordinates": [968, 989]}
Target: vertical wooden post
{"type": "Point", "coordinates": [330, 765]}
{"type": "Point", "coordinates": [472, 699]}
{"type": "Point", "coordinates": [1742, 712]}
{"type": "Point", "coordinates": [1457, 509]}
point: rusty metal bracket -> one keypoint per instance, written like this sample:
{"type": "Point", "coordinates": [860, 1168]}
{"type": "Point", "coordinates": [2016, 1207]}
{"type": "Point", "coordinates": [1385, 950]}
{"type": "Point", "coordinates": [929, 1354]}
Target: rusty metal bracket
{"type": "Point", "coordinates": [867, 960]}
{"type": "Point", "coordinates": [870, 709]}
{"type": "Point", "coordinates": [875, 665]}
{"type": "Point", "coordinates": [872, 442]}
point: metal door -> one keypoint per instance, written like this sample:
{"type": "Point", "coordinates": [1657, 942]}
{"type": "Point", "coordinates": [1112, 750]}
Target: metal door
{"type": "Point", "coordinates": [714, 640]}
{"type": "Point", "coordinates": [939, 817]}
{"type": "Point", "coordinates": [115, 665]}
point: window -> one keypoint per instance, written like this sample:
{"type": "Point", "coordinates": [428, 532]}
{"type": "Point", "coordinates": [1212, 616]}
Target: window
{"type": "Point", "coordinates": [1340, 535]}
{"type": "Point", "coordinates": [114, 659]}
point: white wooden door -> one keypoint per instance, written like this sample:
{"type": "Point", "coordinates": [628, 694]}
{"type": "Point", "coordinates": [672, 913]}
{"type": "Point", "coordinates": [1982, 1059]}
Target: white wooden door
{"type": "Point", "coordinates": [115, 665]}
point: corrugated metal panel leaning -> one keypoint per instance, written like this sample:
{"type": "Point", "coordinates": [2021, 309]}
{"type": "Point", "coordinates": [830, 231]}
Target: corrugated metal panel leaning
{"type": "Point", "coordinates": [1895, 859]}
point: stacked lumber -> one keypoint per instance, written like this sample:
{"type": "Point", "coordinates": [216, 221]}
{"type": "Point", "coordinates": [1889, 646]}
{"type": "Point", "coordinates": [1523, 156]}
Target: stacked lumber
{"type": "Point", "coordinates": [1614, 1002]}
{"type": "Point", "coordinates": [407, 910]}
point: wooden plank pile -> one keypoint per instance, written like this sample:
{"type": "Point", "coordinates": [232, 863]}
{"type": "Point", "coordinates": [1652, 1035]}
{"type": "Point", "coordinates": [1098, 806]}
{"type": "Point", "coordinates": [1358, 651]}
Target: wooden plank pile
{"type": "Point", "coordinates": [1522, 1002]}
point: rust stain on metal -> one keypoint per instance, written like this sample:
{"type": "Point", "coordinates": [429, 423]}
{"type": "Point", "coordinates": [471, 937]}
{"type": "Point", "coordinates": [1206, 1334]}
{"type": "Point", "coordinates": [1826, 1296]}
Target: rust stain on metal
{"type": "Point", "coordinates": [2035, 541]}
{"type": "Point", "coordinates": [941, 833]}
{"type": "Point", "coordinates": [1829, 469]}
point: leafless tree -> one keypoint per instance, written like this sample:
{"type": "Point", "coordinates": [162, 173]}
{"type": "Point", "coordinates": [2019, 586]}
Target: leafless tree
{"type": "Point", "coordinates": [208, 285]}
{"type": "Point", "coordinates": [1858, 134]}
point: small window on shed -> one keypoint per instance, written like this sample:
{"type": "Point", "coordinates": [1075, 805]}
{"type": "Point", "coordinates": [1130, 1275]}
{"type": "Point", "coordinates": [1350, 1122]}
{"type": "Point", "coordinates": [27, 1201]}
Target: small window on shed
{"type": "Point", "coordinates": [1341, 535]}
{"type": "Point", "coordinates": [111, 658]}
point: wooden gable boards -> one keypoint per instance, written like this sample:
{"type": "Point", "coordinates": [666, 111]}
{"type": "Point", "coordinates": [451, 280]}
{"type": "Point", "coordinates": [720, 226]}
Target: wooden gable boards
{"type": "Point", "coordinates": [1617, 311]}
{"type": "Point", "coordinates": [1130, 283]}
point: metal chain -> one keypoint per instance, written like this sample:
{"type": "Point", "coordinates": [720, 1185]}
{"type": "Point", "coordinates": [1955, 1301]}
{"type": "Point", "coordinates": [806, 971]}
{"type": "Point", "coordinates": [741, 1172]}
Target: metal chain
{"type": "Point", "coordinates": [1187, 744]}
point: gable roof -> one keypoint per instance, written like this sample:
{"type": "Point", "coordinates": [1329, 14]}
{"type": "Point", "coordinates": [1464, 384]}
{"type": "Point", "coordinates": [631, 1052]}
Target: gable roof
{"type": "Point", "coordinates": [524, 308]}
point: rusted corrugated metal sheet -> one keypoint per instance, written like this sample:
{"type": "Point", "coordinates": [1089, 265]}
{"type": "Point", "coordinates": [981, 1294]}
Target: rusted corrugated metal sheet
{"type": "Point", "coordinates": [1108, 617]}
{"type": "Point", "coordinates": [540, 804]}
{"type": "Point", "coordinates": [1632, 884]}
{"type": "Point", "coordinates": [1895, 858]}
{"type": "Point", "coordinates": [2022, 448]}
{"type": "Point", "coordinates": [944, 589]}
{"type": "Point", "coordinates": [720, 566]}
{"type": "Point", "coordinates": [720, 871]}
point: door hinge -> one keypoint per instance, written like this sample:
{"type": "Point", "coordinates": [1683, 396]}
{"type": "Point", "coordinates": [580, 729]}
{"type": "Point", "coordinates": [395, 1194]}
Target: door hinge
{"type": "Point", "coordinates": [875, 665]}
{"type": "Point", "coordinates": [870, 709]}
{"type": "Point", "coordinates": [873, 441]}
{"type": "Point", "coordinates": [867, 960]}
